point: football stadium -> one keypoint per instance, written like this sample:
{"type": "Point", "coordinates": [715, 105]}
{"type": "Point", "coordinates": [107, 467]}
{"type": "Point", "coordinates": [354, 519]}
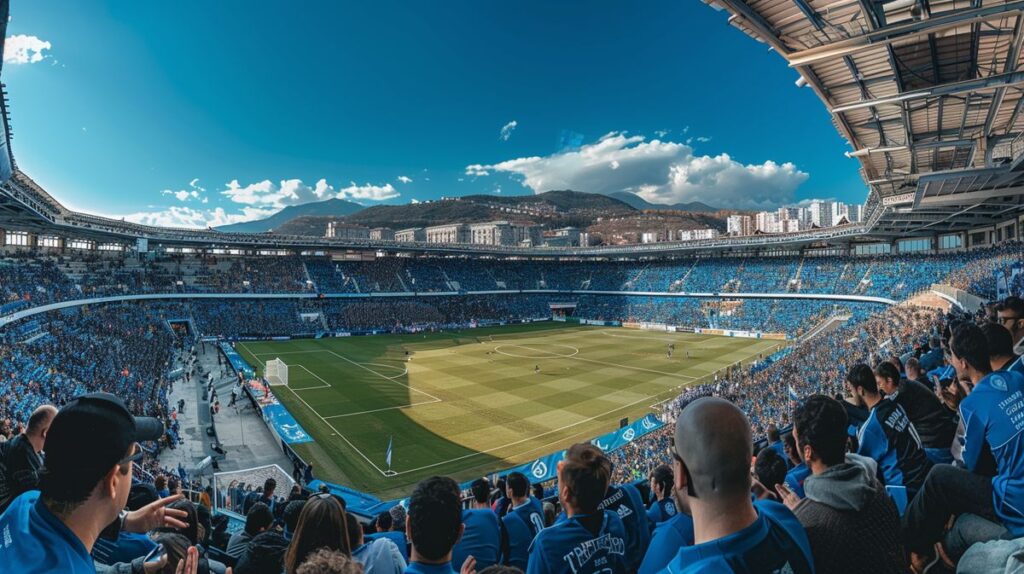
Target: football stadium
{"type": "Point", "coordinates": [516, 349]}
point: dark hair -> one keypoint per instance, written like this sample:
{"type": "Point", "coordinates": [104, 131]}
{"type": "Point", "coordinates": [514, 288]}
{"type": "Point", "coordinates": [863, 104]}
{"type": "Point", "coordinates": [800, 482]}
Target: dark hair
{"type": "Point", "coordinates": [586, 473]}
{"type": "Point", "coordinates": [259, 518]}
{"type": "Point", "coordinates": [384, 521]}
{"type": "Point", "coordinates": [538, 491]}
{"type": "Point", "coordinates": [1012, 303]}
{"type": "Point", "coordinates": [481, 488]}
{"type": "Point", "coordinates": [269, 485]}
{"type": "Point", "coordinates": [887, 370]}
{"type": "Point", "coordinates": [435, 517]}
{"type": "Point", "coordinates": [773, 433]}
{"type": "Point", "coordinates": [291, 514]}
{"type": "Point", "coordinates": [789, 446]}
{"type": "Point", "coordinates": [862, 377]}
{"type": "Point", "coordinates": [191, 530]}
{"type": "Point", "coordinates": [970, 345]}
{"type": "Point", "coordinates": [321, 525]}
{"type": "Point", "coordinates": [355, 530]}
{"type": "Point", "coordinates": [160, 482]}
{"type": "Point", "coordinates": [821, 424]}
{"type": "Point", "coordinates": [999, 339]}
{"type": "Point", "coordinates": [662, 476]}
{"type": "Point", "coordinates": [518, 484]}
{"type": "Point", "coordinates": [176, 547]}
{"type": "Point", "coordinates": [770, 468]}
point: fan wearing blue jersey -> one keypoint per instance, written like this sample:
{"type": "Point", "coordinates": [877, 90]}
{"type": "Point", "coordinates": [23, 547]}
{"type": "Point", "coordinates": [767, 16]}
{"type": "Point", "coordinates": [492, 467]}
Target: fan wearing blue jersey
{"type": "Point", "coordinates": [887, 436]}
{"type": "Point", "coordinates": [481, 537]}
{"type": "Point", "coordinates": [588, 541]}
{"type": "Point", "coordinates": [992, 486]}
{"type": "Point", "coordinates": [799, 472]}
{"type": "Point", "coordinates": [663, 506]}
{"type": "Point", "coordinates": [625, 501]}
{"type": "Point", "coordinates": [434, 525]}
{"type": "Point", "coordinates": [711, 470]}
{"type": "Point", "coordinates": [523, 522]}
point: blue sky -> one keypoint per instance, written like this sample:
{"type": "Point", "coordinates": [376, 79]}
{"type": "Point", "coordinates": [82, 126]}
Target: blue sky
{"type": "Point", "coordinates": [196, 113]}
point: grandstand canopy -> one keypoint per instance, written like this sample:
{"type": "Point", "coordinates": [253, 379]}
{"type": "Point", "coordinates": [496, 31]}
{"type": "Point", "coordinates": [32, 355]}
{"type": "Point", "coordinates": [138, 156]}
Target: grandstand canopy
{"type": "Point", "coordinates": [928, 94]}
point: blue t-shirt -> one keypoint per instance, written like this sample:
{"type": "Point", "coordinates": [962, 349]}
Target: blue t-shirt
{"type": "Point", "coordinates": [661, 510]}
{"type": "Point", "coordinates": [890, 438]}
{"type": "Point", "coordinates": [33, 540]}
{"type": "Point", "coordinates": [481, 538]}
{"type": "Point", "coordinates": [397, 537]}
{"type": "Point", "coordinates": [421, 568]}
{"type": "Point", "coordinates": [774, 541]}
{"type": "Point", "coordinates": [668, 538]}
{"type": "Point", "coordinates": [522, 524]}
{"type": "Point", "coordinates": [127, 547]}
{"type": "Point", "coordinates": [568, 547]}
{"type": "Point", "coordinates": [993, 419]}
{"type": "Point", "coordinates": [795, 478]}
{"type": "Point", "coordinates": [1017, 366]}
{"type": "Point", "coordinates": [625, 500]}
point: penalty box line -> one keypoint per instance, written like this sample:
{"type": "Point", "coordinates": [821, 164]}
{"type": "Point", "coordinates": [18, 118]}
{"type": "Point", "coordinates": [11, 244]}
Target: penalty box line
{"type": "Point", "coordinates": [324, 420]}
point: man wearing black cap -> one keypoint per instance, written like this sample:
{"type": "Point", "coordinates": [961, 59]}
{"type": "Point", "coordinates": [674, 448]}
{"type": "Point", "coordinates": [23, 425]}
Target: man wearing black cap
{"type": "Point", "coordinates": [90, 449]}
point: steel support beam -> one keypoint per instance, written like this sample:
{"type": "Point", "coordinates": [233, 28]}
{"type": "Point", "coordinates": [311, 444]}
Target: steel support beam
{"type": "Point", "coordinates": [964, 87]}
{"type": "Point", "coordinates": [890, 34]}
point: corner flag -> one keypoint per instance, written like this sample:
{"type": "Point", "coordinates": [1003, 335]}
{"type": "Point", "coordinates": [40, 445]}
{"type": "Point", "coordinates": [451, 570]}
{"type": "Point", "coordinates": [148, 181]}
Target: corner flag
{"type": "Point", "coordinates": [387, 455]}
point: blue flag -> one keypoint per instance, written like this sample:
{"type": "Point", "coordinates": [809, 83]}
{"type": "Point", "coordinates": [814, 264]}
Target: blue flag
{"type": "Point", "coordinates": [792, 394]}
{"type": "Point", "coordinates": [387, 455]}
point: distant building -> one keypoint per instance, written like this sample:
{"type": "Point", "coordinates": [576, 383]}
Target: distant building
{"type": "Point", "coordinates": [382, 234]}
{"type": "Point", "coordinates": [697, 234]}
{"type": "Point", "coordinates": [739, 225]}
{"type": "Point", "coordinates": [339, 230]}
{"type": "Point", "coordinates": [856, 213]}
{"type": "Point", "coordinates": [789, 226]}
{"type": "Point", "coordinates": [564, 237]}
{"type": "Point", "coordinates": [411, 235]}
{"type": "Point", "coordinates": [767, 222]}
{"type": "Point", "coordinates": [650, 237]}
{"type": "Point", "coordinates": [449, 233]}
{"type": "Point", "coordinates": [492, 233]}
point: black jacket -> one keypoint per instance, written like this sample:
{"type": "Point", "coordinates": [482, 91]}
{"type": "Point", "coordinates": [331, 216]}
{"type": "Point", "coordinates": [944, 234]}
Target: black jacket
{"type": "Point", "coordinates": [265, 555]}
{"type": "Point", "coordinates": [20, 464]}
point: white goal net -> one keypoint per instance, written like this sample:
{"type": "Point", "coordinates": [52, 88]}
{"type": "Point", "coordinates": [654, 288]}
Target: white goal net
{"type": "Point", "coordinates": [276, 372]}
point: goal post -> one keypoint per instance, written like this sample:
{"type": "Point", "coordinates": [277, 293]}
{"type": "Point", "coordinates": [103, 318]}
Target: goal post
{"type": "Point", "coordinates": [276, 372]}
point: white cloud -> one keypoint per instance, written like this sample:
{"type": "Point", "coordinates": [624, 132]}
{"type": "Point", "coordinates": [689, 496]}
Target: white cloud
{"type": "Point", "coordinates": [368, 192]}
{"type": "Point", "coordinates": [663, 172]}
{"type": "Point", "coordinates": [661, 133]}
{"type": "Point", "coordinates": [404, 179]}
{"type": "Point", "coordinates": [277, 195]}
{"type": "Point", "coordinates": [287, 192]}
{"type": "Point", "coordinates": [179, 216]}
{"type": "Point", "coordinates": [23, 49]}
{"type": "Point", "coordinates": [507, 129]}
{"type": "Point", "coordinates": [703, 139]}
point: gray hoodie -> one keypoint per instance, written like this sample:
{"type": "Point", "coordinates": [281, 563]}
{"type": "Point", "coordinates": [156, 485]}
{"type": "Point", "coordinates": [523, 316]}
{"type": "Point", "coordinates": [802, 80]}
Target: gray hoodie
{"type": "Point", "coordinates": [847, 486]}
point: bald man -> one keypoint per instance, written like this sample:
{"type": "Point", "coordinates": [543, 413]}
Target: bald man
{"type": "Point", "coordinates": [711, 475]}
{"type": "Point", "coordinates": [21, 457]}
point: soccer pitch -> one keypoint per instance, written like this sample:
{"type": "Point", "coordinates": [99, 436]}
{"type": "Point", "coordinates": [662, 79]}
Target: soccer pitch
{"type": "Point", "coordinates": [467, 403]}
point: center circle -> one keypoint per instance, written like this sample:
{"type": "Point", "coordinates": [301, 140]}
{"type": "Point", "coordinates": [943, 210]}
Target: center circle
{"type": "Point", "coordinates": [572, 351]}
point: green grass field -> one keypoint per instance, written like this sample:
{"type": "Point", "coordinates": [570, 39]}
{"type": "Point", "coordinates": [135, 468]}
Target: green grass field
{"type": "Point", "coordinates": [467, 403]}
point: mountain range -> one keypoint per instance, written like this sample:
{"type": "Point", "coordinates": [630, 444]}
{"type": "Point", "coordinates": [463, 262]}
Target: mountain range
{"type": "Point", "coordinates": [326, 208]}
{"type": "Point", "coordinates": [558, 208]}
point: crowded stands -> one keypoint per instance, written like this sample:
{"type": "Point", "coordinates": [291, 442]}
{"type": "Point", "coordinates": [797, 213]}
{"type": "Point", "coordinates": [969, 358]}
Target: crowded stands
{"type": "Point", "coordinates": [887, 443]}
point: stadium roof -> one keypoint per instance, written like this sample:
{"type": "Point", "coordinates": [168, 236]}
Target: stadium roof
{"type": "Point", "coordinates": [928, 94]}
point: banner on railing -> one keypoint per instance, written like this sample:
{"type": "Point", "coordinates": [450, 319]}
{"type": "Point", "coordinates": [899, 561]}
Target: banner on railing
{"type": "Point", "coordinates": [237, 361]}
{"type": "Point", "coordinates": [545, 468]}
